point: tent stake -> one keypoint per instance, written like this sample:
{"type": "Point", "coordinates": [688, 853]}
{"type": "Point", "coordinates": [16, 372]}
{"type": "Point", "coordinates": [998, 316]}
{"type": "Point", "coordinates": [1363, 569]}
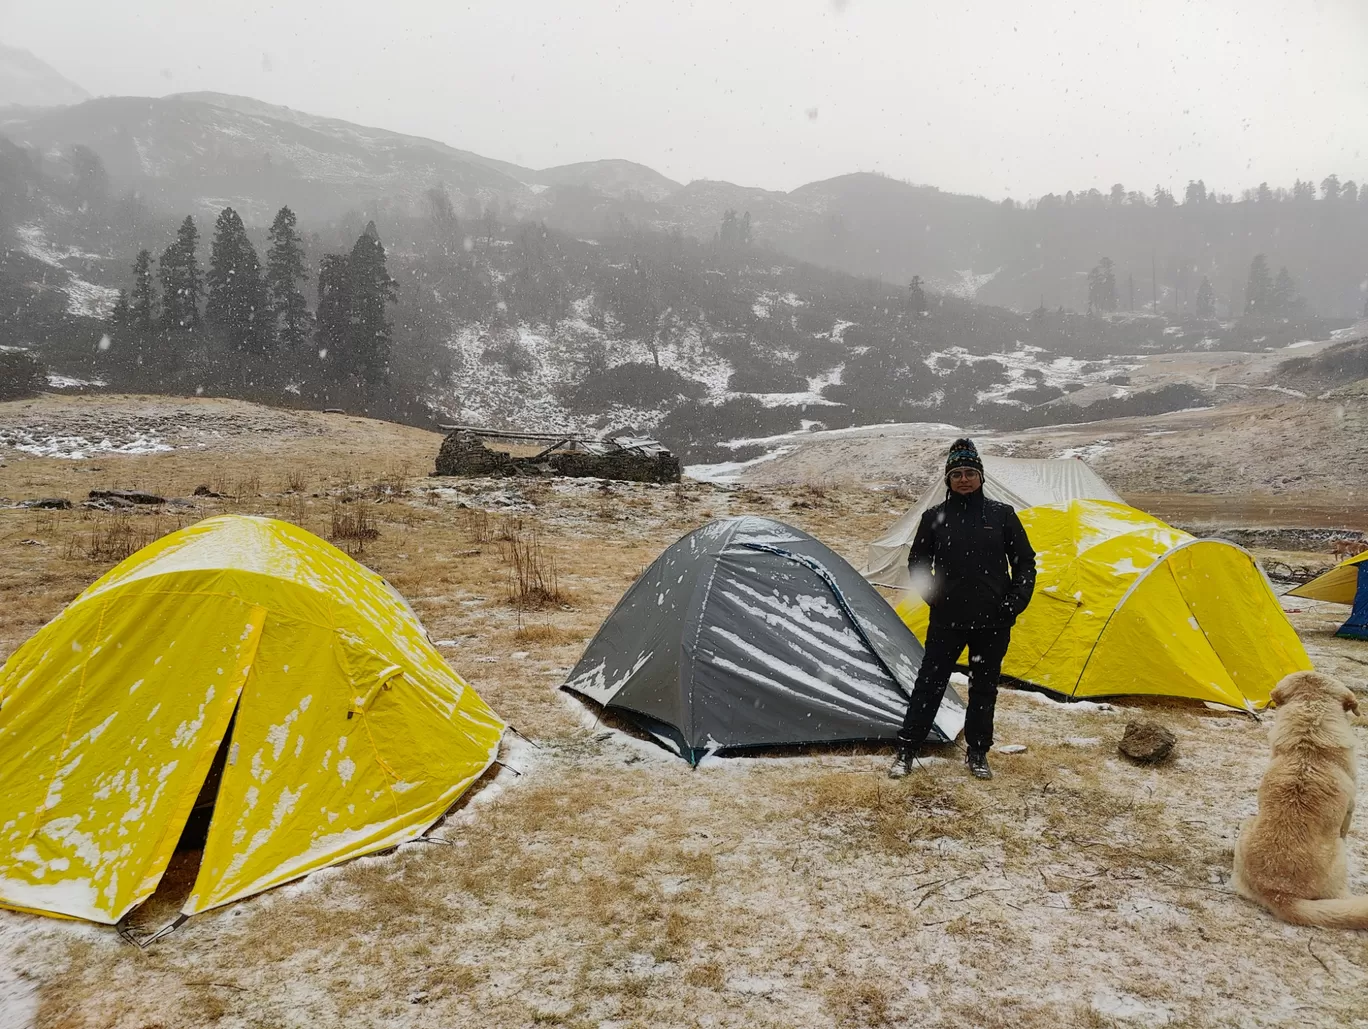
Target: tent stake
{"type": "Point", "coordinates": [514, 730]}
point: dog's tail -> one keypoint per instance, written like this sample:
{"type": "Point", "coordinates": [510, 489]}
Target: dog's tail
{"type": "Point", "coordinates": [1339, 913]}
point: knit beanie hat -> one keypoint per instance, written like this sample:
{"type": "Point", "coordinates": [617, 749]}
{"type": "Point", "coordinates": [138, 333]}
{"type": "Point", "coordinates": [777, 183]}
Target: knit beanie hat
{"type": "Point", "coordinates": [963, 454]}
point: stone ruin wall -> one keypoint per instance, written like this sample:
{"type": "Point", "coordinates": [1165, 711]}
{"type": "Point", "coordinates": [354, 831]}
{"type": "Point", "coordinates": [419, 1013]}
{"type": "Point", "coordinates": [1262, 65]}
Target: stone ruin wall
{"type": "Point", "coordinates": [464, 453]}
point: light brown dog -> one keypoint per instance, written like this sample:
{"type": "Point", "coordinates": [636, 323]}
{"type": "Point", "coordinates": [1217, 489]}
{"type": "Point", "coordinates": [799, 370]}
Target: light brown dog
{"type": "Point", "coordinates": [1347, 548]}
{"type": "Point", "coordinates": [1291, 857]}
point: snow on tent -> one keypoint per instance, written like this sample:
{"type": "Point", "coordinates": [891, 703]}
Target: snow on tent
{"type": "Point", "coordinates": [341, 730]}
{"type": "Point", "coordinates": [1125, 604]}
{"type": "Point", "coordinates": [1021, 482]}
{"type": "Point", "coordinates": [1346, 583]}
{"type": "Point", "coordinates": [749, 633]}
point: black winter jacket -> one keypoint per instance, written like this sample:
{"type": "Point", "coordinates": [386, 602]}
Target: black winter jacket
{"type": "Point", "coordinates": [964, 547]}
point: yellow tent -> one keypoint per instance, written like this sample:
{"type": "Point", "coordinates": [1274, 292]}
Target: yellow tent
{"type": "Point", "coordinates": [351, 734]}
{"type": "Point", "coordinates": [1125, 604]}
{"type": "Point", "coordinates": [1339, 585]}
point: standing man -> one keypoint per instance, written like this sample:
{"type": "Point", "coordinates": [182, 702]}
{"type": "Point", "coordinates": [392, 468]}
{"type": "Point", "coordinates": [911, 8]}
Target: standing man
{"type": "Point", "coordinates": [974, 567]}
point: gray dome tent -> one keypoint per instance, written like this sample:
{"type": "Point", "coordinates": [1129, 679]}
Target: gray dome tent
{"type": "Point", "coordinates": [750, 633]}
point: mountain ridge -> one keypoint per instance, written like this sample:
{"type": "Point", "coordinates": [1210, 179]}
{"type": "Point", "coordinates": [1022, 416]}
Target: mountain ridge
{"type": "Point", "coordinates": [201, 151]}
{"type": "Point", "coordinates": [28, 81]}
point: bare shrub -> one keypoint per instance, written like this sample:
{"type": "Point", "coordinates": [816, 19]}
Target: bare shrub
{"type": "Point", "coordinates": [392, 482]}
{"type": "Point", "coordinates": [296, 481]}
{"type": "Point", "coordinates": [114, 537]}
{"type": "Point", "coordinates": [532, 581]}
{"type": "Point", "coordinates": [354, 525]}
{"type": "Point", "coordinates": [479, 526]}
{"type": "Point", "coordinates": [246, 488]}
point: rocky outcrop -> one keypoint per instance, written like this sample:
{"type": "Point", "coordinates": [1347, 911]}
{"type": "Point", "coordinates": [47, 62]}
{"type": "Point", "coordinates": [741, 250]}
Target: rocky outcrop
{"type": "Point", "coordinates": [464, 453]}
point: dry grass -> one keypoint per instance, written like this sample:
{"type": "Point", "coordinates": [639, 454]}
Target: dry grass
{"type": "Point", "coordinates": [610, 883]}
{"type": "Point", "coordinates": [545, 635]}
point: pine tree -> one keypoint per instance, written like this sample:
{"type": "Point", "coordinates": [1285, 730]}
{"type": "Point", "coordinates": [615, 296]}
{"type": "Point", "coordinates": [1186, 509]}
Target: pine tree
{"type": "Point", "coordinates": [143, 303]}
{"type": "Point", "coordinates": [284, 273]}
{"type": "Point", "coordinates": [181, 281]}
{"type": "Point", "coordinates": [237, 307]}
{"type": "Point", "coordinates": [1102, 287]}
{"type": "Point", "coordinates": [372, 289]}
{"type": "Point", "coordinates": [334, 313]}
{"type": "Point", "coordinates": [916, 297]}
{"type": "Point", "coordinates": [729, 235]}
{"type": "Point", "coordinates": [1284, 300]}
{"type": "Point", "coordinates": [1259, 290]}
{"type": "Point", "coordinates": [1206, 299]}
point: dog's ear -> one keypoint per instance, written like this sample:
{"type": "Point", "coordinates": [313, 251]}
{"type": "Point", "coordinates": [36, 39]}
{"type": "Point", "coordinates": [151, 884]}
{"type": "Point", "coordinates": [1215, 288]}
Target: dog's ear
{"type": "Point", "coordinates": [1283, 692]}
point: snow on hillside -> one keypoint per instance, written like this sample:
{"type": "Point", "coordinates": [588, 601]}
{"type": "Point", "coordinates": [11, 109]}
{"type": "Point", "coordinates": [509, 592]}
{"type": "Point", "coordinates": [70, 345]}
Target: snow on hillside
{"type": "Point", "coordinates": [966, 285]}
{"type": "Point", "coordinates": [1029, 366]}
{"type": "Point", "coordinates": [84, 299]}
{"type": "Point", "coordinates": [517, 376]}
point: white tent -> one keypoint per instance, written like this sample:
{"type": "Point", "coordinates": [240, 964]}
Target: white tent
{"type": "Point", "coordinates": [1021, 482]}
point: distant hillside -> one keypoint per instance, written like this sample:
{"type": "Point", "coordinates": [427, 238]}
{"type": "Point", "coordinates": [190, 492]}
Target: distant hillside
{"type": "Point", "coordinates": [611, 178]}
{"type": "Point", "coordinates": [199, 151]}
{"type": "Point", "coordinates": [28, 82]}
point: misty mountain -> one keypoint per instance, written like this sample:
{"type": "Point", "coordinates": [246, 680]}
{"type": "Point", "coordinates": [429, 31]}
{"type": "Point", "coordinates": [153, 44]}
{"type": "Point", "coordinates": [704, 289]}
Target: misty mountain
{"type": "Point", "coordinates": [200, 151]}
{"type": "Point", "coordinates": [28, 82]}
{"type": "Point", "coordinates": [510, 322]}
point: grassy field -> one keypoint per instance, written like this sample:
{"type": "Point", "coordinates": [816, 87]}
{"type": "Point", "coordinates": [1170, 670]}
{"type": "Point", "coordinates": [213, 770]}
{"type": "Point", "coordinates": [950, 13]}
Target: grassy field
{"type": "Point", "coordinates": [610, 885]}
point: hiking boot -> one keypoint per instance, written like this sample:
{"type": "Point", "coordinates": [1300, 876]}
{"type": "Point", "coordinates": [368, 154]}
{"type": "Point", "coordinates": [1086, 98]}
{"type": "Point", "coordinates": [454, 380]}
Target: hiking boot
{"type": "Point", "coordinates": [902, 764]}
{"type": "Point", "coordinates": [977, 760]}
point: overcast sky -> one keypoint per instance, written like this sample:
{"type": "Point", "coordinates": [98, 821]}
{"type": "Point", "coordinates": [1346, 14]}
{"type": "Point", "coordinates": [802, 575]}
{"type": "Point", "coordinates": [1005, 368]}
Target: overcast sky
{"type": "Point", "coordinates": [997, 97]}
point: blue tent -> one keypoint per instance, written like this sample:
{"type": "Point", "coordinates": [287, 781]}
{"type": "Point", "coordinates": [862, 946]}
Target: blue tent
{"type": "Point", "coordinates": [1356, 628]}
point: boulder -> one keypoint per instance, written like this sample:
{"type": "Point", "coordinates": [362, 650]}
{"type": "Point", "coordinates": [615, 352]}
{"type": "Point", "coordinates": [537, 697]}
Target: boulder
{"type": "Point", "coordinates": [1147, 742]}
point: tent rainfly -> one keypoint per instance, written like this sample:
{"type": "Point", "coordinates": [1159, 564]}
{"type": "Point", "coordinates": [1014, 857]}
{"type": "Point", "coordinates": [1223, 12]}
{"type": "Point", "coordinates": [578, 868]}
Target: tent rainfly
{"type": "Point", "coordinates": [750, 633]}
{"type": "Point", "coordinates": [1125, 604]}
{"type": "Point", "coordinates": [1346, 583]}
{"type": "Point", "coordinates": [1021, 482]}
{"type": "Point", "coordinates": [339, 729]}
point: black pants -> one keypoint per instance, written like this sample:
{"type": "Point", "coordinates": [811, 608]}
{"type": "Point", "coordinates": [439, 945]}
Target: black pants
{"type": "Point", "coordinates": [987, 647]}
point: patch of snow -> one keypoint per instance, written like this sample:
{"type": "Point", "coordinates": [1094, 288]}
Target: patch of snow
{"type": "Point", "coordinates": [78, 448]}
{"type": "Point", "coordinates": [968, 284]}
{"type": "Point", "coordinates": [87, 300]}
{"type": "Point", "coordinates": [1088, 452]}
{"type": "Point", "coordinates": [817, 383]}
{"type": "Point", "coordinates": [67, 382]}
{"type": "Point", "coordinates": [1302, 343]}
{"type": "Point", "coordinates": [810, 397]}
{"type": "Point", "coordinates": [729, 471]}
